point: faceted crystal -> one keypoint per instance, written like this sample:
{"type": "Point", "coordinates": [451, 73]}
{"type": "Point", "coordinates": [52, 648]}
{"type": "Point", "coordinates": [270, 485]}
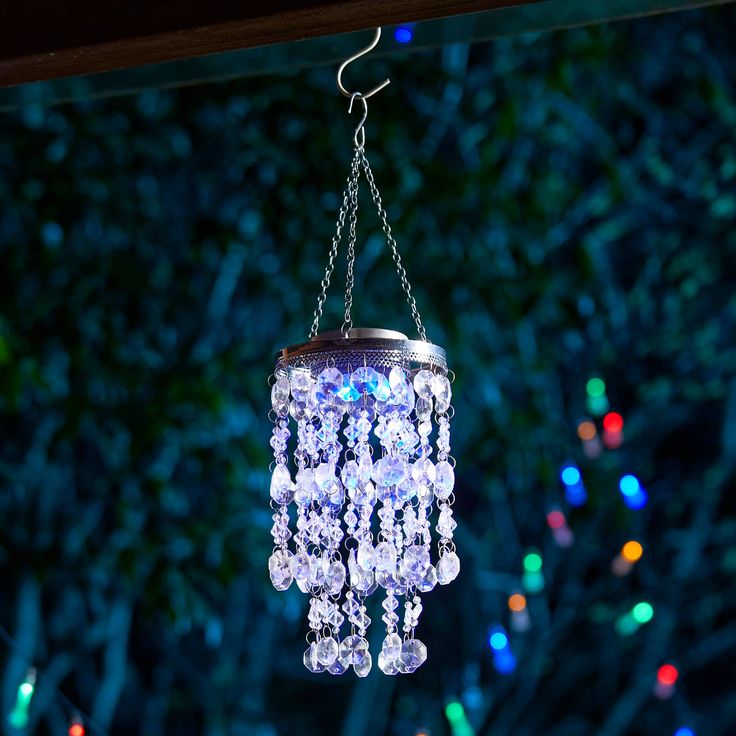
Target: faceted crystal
{"type": "Point", "coordinates": [327, 651]}
{"type": "Point", "coordinates": [348, 393]}
{"type": "Point", "coordinates": [324, 475]}
{"type": "Point", "coordinates": [279, 569]}
{"type": "Point", "coordinates": [353, 650]}
{"type": "Point", "coordinates": [280, 392]}
{"type": "Point", "coordinates": [383, 388]}
{"type": "Point", "coordinates": [363, 667]}
{"type": "Point", "coordinates": [338, 667]}
{"type": "Point", "coordinates": [364, 380]}
{"type": "Point", "coordinates": [385, 557]}
{"type": "Point", "coordinates": [300, 566]}
{"type": "Point", "coordinates": [282, 489]}
{"type": "Point", "coordinates": [335, 577]}
{"type": "Point", "coordinates": [423, 409]}
{"type": "Point", "coordinates": [349, 474]}
{"type": "Point", "coordinates": [389, 471]}
{"type": "Point", "coordinates": [448, 568]}
{"type": "Point", "coordinates": [311, 661]}
{"type": "Point", "coordinates": [363, 495]}
{"type": "Point", "coordinates": [387, 666]}
{"type": "Point", "coordinates": [415, 563]}
{"type": "Point", "coordinates": [444, 480]}
{"type": "Point", "coordinates": [301, 386]}
{"type": "Point", "coordinates": [366, 556]}
{"type": "Point", "coordinates": [423, 383]}
{"type": "Point", "coordinates": [442, 392]}
{"type": "Point", "coordinates": [424, 471]}
{"type": "Point", "coordinates": [429, 580]}
{"type": "Point", "coordinates": [413, 654]}
{"type": "Point", "coordinates": [391, 646]}
{"type": "Point", "coordinates": [330, 381]}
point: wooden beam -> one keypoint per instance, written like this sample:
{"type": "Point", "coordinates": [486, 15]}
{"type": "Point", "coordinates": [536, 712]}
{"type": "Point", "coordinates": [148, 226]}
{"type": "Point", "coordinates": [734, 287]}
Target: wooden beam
{"type": "Point", "coordinates": [47, 39]}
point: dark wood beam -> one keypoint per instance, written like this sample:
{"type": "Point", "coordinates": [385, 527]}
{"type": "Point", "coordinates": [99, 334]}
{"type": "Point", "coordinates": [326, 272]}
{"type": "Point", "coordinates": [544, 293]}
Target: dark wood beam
{"type": "Point", "coordinates": [47, 39]}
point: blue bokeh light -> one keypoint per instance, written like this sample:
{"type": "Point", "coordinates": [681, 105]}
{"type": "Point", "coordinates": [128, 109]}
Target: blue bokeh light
{"type": "Point", "coordinates": [629, 485]}
{"type": "Point", "coordinates": [505, 662]}
{"type": "Point", "coordinates": [499, 641]}
{"type": "Point", "coordinates": [638, 500]}
{"type": "Point", "coordinates": [403, 34]}
{"type": "Point", "coordinates": [570, 475]}
{"type": "Point", "coordinates": [684, 731]}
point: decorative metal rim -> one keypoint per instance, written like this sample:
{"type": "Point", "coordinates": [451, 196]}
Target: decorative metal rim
{"type": "Point", "coordinates": [383, 348]}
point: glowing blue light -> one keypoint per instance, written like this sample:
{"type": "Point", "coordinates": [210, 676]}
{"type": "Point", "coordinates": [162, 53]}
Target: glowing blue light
{"type": "Point", "coordinates": [684, 731]}
{"type": "Point", "coordinates": [570, 475]}
{"type": "Point", "coordinates": [505, 662]}
{"type": "Point", "coordinates": [576, 495]}
{"type": "Point", "coordinates": [403, 34]}
{"type": "Point", "coordinates": [629, 485]}
{"type": "Point", "coordinates": [638, 500]}
{"type": "Point", "coordinates": [499, 641]}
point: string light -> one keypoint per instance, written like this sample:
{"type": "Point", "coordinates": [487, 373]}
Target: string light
{"type": "Point", "coordinates": [517, 602]}
{"type": "Point", "coordinates": [587, 430]}
{"type": "Point", "coordinates": [632, 551]}
{"type": "Point", "coordinates": [504, 659]}
{"type": "Point", "coordinates": [76, 728]}
{"type": "Point", "coordinates": [597, 401]}
{"type": "Point", "coordinates": [634, 495]}
{"type": "Point", "coordinates": [457, 719]}
{"type": "Point", "coordinates": [403, 34]}
{"type": "Point", "coordinates": [561, 532]}
{"type": "Point", "coordinates": [667, 674]}
{"type": "Point", "coordinates": [613, 435]}
{"type": "Point", "coordinates": [684, 731]}
{"type": "Point", "coordinates": [571, 478]}
{"type": "Point", "coordinates": [18, 716]}
{"type": "Point", "coordinates": [642, 612]}
{"type": "Point", "coordinates": [532, 580]}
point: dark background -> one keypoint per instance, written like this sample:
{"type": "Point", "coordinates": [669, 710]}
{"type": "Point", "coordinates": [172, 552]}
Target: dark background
{"type": "Point", "coordinates": [565, 204]}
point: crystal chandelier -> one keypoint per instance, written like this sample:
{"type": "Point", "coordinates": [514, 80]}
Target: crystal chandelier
{"type": "Point", "coordinates": [369, 461]}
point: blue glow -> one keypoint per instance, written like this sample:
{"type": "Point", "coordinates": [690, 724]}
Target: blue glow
{"type": "Point", "coordinates": [505, 662]}
{"type": "Point", "coordinates": [638, 500]}
{"type": "Point", "coordinates": [499, 641]}
{"type": "Point", "coordinates": [403, 34]}
{"type": "Point", "coordinates": [684, 731]}
{"type": "Point", "coordinates": [629, 485]}
{"type": "Point", "coordinates": [576, 495]}
{"type": "Point", "coordinates": [570, 475]}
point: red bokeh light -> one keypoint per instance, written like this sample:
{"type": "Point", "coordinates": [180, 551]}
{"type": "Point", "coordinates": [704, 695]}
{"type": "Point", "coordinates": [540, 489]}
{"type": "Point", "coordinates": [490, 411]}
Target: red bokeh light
{"type": "Point", "coordinates": [613, 422]}
{"type": "Point", "coordinates": [76, 729]}
{"type": "Point", "coordinates": [556, 519]}
{"type": "Point", "coordinates": [667, 674]}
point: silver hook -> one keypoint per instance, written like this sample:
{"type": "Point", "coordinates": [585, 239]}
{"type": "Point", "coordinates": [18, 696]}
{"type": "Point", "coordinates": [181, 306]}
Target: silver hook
{"type": "Point", "coordinates": [359, 136]}
{"type": "Point", "coordinates": [362, 52]}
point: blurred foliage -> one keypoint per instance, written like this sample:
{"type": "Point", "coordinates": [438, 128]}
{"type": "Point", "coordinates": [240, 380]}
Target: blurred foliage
{"type": "Point", "coordinates": [566, 207]}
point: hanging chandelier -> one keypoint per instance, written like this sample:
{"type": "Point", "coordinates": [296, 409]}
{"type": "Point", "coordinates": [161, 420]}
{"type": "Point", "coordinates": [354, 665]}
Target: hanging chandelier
{"type": "Point", "coordinates": [369, 461]}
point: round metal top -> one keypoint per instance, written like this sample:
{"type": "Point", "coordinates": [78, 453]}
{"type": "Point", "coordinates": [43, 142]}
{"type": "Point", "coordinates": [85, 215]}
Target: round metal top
{"type": "Point", "coordinates": [376, 347]}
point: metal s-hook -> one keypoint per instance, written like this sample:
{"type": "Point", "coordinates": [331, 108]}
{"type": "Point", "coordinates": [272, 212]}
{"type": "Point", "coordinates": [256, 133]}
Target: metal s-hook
{"type": "Point", "coordinates": [359, 136]}
{"type": "Point", "coordinates": [362, 52]}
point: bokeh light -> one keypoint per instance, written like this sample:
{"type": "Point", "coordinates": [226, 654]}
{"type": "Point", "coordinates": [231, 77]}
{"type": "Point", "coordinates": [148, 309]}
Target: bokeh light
{"type": "Point", "coordinates": [556, 519]}
{"type": "Point", "coordinates": [613, 422]}
{"type": "Point", "coordinates": [595, 387]}
{"type": "Point", "coordinates": [642, 612]}
{"type": "Point", "coordinates": [403, 34]}
{"type": "Point", "coordinates": [667, 674]}
{"type": "Point", "coordinates": [632, 551]}
{"type": "Point", "coordinates": [517, 602]}
{"type": "Point", "coordinates": [684, 731]}
{"type": "Point", "coordinates": [587, 430]}
{"type": "Point", "coordinates": [532, 562]}
{"type": "Point", "coordinates": [629, 485]}
{"type": "Point", "coordinates": [570, 475]}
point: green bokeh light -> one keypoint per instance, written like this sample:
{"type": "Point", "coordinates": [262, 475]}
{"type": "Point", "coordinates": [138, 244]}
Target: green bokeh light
{"type": "Point", "coordinates": [596, 387]}
{"type": "Point", "coordinates": [533, 562]}
{"type": "Point", "coordinates": [454, 711]}
{"type": "Point", "coordinates": [642, 612]}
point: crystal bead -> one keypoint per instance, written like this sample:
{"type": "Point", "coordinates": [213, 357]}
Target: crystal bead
{"type": "Point", "coordinates": [415, 563]}
{"type": "Point", "coordinates": [366, 556]}
{"type": "Point", "coordinates": [301, 386]}
{"type": "Point", "coordinates": [329, 381]}
{"type": "Point", "coordinates": [353, 649]}
{"type": "Point", "coordinates": [335, 577]}
{"type": "Point", "coordinates": [327, 651]}
{"type": "Point", "coordinates": [424, 471]}
{"type": "Point", "coordinates": [316, 571]}
{"type": "Point", "coordinates": [279, 568]}
{"type": "Point", "coordinates": [363, 667]}
{"type": "Point", "coordinates": [311, 661]}
{"type": "Point", "coordinates": [280, 392]}
{"type": "Point", "coordinates": [349, 474]}
{"type": "Point", "coordinates": [448, 568]}
{"type": "Point", "coordinates": [387, 666]}
{"type": "Point", "coordinates": [389, 471]}
{"type": "Point", "coordinates": [385, 557]}
{"type": "Point", "coordinates": [364, 495]}
{"type": "Point", "coordinates": [364, 582]}
{"type": "Point", "coordinates": [442, 392]}
{"type": "Point", "coordinates": [338, 667]}
{"type": "Point", "coordinates": [383, 388]}
{"type": "Point", "coordinates": [446, 525]}
{"type": "Point", "coordinates": [423, 383]}
{"type": "Point", "coordinates": [300, 566]}
{"type": "Point", "coordinates": [391, 646]}
{"type": "Point", "coordinates": [364, 380]}
{"type": "Point", "coordinates": [423, 409]}
{"type": "Point", "coordinates": [444, 480]}
{"type": "Point", "coordinates": [324, 475]}
{"type": "Point", "coordinates": [429, 581]}
{"type": "Point", "coordinates": [282, 489]}
{"type": "Point", "coordinates": [413, 654]}
{"type": "Point", "coordinates": [348, 393]}
{"type": "Point", "coordinates": [403, 398]}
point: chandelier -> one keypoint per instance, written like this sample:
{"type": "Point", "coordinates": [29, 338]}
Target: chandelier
{"type": "Point", "coordinates": [364, 460]}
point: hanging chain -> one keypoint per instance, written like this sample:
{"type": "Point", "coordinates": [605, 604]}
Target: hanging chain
{"type": "Point", "coordinates": [335, 244]}
{"type": "Point", "coordinates": [400, 270]}
{"type": "Point", "coordinates": [352, 239]}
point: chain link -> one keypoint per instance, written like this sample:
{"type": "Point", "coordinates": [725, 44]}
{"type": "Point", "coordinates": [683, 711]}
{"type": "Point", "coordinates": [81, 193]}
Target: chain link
{"type": "Point", "coordinates": [400, 270]}
{"type": "Point", "coordinates": [352, 239]}
{"type": "Point", "coordinates": [335, 245]}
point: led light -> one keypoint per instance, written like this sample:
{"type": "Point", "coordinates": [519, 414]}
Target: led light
{"type": "Point", "coordinates": [517, 602]}
{"type": "Point", "coordinates": [556, 519]}
{"type": "Point", "coordinates": [586, 430]}
{"type": "Point", "coordinates": [613, 422]}
{"type": "Point", "coordinates": [505, 662]}
{"type": "Point", "coordinates": [499, 641]}
{"type": "Point", "coordinates": [533, 562]}
{"type": "Point", "coordinates": [684, 731]}
{"type": "Point", "coordinates": [454, 711]}
{"type": "Point", "coordinates": [576, 495]}
{"type": "Point", "coordinates": [403, 34]}
{"type": "Point", "coordinates": [632, 551]}
{"type": "Point", "coordinates": [570, 475]}
{"type": "Point", "coordinates": [642, 612]}
{"type": "Point", "coordinates": [595, 387]}
{"type": "Point", "coordinates": [629, 485]}
{"type": "Point", "coordinates": [76, 729]}
{"type": "Point", "coordinates": [667, 674]}
{"type": "Point", "coordinates": [638, 500]}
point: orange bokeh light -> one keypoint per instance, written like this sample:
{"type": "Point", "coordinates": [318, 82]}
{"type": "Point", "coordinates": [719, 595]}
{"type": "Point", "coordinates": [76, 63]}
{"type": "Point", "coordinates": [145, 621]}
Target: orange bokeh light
{"type": "Point", "coordinates": [76, 729]}
{"type": "Point", "coordinates": [586, 430]}
{"type": "Point", "coordinates": [517, 602]}
{"type": "Point", "coordinates": [632, 551]}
